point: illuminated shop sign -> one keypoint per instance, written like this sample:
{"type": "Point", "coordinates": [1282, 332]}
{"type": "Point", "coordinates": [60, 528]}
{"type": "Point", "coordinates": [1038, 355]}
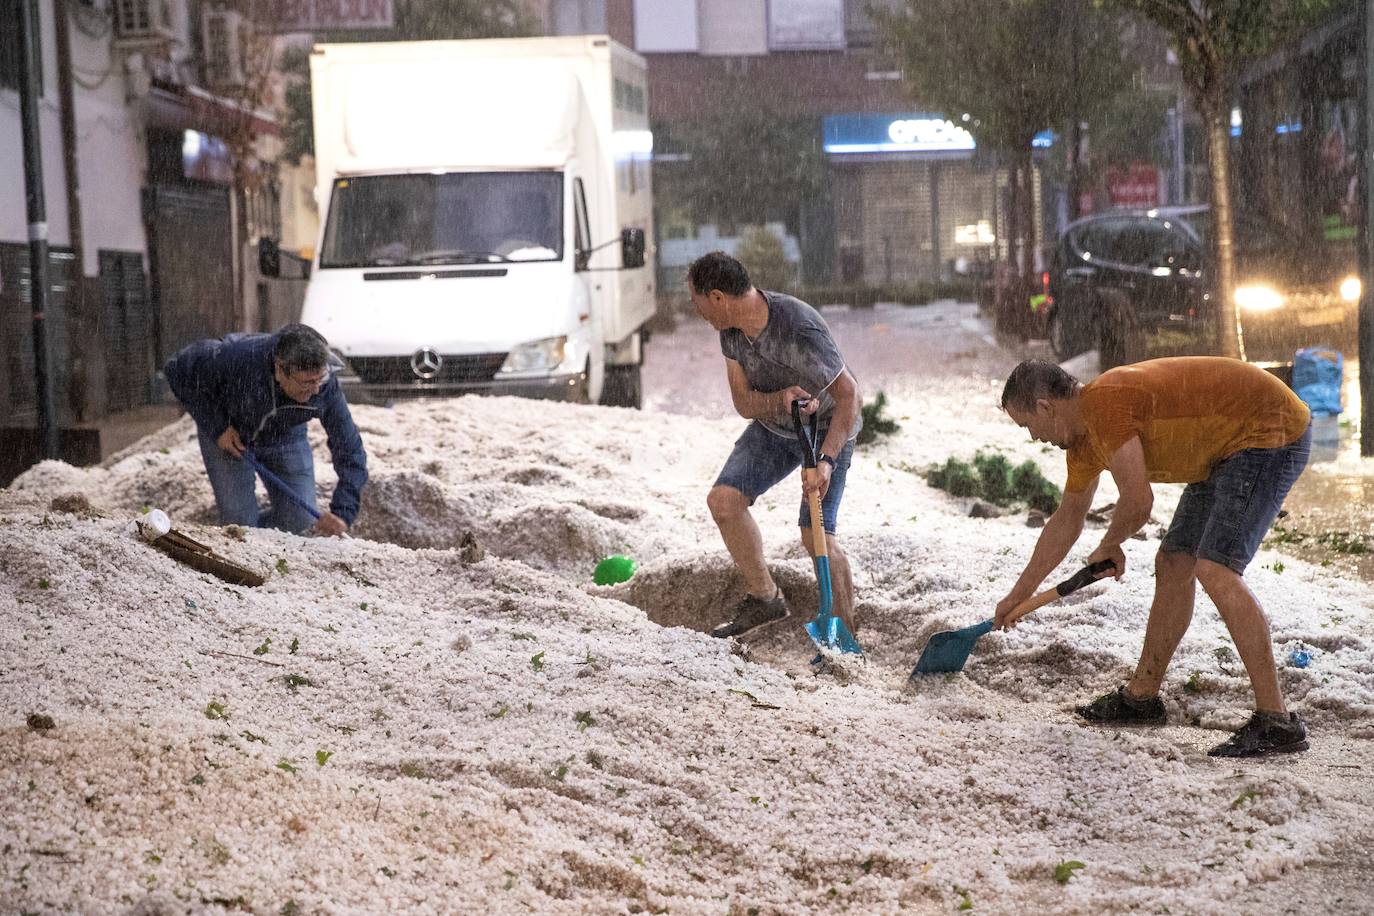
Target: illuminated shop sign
{"type": "Point", "coordinates": [852, 134]}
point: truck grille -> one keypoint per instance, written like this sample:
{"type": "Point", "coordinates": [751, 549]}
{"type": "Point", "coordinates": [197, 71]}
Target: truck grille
{"type": "Point", "coordinates": [464, 368]}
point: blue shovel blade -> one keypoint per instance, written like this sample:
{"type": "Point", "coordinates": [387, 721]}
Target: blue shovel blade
{"type": "Point", "coordinates": [828, 631]}
{"type": "Point", "coordinates": [946, 652]}
{"type": "Point", "coordinates": [831, 633]}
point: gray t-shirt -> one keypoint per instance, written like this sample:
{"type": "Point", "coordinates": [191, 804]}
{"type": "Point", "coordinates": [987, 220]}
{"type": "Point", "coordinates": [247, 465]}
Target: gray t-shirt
{"type": "Point", "coordinates": [794, 348]}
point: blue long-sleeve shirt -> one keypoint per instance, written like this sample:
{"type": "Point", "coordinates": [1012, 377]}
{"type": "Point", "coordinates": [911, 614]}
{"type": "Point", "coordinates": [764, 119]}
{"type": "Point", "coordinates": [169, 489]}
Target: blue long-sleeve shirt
{"type": "Point", "coordinates": [230, 382]}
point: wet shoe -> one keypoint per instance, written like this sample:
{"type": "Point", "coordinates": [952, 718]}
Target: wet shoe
{"type": "Point", "coordinates": [1263, 735]}
{"type": "Point", "coordinates": [752, 613]}
{"type": "Point", "coordinates": [1116, 708]}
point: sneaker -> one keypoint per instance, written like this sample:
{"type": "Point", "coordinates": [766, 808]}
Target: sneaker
{"type": "Point", "coordinates": [752, 613]}
{"type": "Point", "coordinates": [1263, 735]}
{"type": "Point", "coordinates": [1116, 708]}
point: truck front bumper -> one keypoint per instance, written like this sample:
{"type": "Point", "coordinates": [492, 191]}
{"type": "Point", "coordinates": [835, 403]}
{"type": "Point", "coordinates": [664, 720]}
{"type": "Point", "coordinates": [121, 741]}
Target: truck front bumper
{"type": "Point", "coordinates": [554, 388]}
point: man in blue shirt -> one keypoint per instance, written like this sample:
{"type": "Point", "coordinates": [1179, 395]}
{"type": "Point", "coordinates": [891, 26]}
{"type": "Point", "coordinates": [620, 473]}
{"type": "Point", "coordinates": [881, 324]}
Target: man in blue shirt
{"type": "Point", "coordinates": [259, 391]}
{"type": "Point", "coordinates": [777, 349]}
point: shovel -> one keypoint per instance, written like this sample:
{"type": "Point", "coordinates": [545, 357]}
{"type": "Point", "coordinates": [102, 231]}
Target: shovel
{"type": "Point", "coordinates": [268, 477]}
{"type": "Point", "coordinates": [947, 651]}
{"type": "Point", "coordinates": [828, 630]}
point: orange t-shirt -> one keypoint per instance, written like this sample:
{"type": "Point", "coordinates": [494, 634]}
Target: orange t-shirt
{"type": "Point", "coordinates": [1190, 412]}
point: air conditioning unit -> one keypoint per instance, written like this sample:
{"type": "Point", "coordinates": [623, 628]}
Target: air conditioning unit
{"type": "Point", "coordinates": [143, 20]}
{"type": "Point", "coordinates": [222, 36]}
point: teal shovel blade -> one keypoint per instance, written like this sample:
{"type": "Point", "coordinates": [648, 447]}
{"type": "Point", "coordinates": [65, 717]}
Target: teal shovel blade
{"type": "Point", "coordinates": [946, 652]}
{"type": "Point", "coordinates": [828, 630]}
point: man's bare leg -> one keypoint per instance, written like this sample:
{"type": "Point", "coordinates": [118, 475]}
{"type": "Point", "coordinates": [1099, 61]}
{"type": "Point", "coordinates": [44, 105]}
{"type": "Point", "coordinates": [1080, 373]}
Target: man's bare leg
{"type": "Point", "coordinates": [1249, 629]}
{"type": "Point", "coordinates": [730, 509]}
{"type": "Point", "coordinates": [1170, 613]}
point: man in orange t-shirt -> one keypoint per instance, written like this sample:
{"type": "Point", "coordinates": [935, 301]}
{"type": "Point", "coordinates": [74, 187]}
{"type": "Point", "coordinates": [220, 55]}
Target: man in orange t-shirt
{"type": "Point", "coordinates": [1239, 439]}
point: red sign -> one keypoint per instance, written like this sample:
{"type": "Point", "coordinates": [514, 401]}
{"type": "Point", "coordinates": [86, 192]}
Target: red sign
{"type": "Point", "coordinates": [329, 15]}
{"type": "Point", "coordinates": [1134, 188]}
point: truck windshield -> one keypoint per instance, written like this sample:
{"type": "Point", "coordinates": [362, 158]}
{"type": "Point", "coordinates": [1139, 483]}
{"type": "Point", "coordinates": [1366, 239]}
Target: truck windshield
{"type": "Point", "coordinates": [448, 218]}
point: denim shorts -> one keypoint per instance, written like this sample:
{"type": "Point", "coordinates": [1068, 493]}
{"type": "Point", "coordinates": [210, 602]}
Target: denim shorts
{"type": "Point", "coordinates": [761, 458]}
{"type": "Point", "coordinates": [1225, 517]}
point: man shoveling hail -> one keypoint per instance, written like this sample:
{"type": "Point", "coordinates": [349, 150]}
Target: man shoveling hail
{"type": "Point", "coordinates": [1239, 438]}
{"type": "Point", "coordinates": [259, 391]}
{"type": "Point", "coordinates": [777, 349]}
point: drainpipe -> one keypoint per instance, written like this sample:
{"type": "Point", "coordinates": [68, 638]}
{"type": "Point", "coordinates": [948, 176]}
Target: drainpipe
{"type": "Point", "coordinates": [76, 297]}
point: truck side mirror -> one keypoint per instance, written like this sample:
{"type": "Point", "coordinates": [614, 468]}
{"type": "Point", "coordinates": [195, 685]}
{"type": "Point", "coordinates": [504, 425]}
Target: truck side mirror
{"type": "Point", "coordinates": [269, 257]}
{"type": "Point", "coordinates": [632, 247]}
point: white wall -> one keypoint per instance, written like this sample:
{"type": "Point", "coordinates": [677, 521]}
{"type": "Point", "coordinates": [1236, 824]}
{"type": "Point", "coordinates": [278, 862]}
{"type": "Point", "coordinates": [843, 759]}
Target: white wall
{"type": "Point", "coordinates": [111, 152]}
{"type": "Point", "coordinates": [664, 26]}
{"type": "Point", "coordinates": [111, 149]}
{"type": "Point", "coordinates": [13, 214]}
{"type": "Point", "coordinates": [734, 27]}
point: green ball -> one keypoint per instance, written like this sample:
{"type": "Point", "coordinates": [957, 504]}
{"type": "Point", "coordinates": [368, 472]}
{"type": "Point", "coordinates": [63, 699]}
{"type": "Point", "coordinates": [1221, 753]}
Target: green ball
{"type": "Point", "coordinates": [613, 569]}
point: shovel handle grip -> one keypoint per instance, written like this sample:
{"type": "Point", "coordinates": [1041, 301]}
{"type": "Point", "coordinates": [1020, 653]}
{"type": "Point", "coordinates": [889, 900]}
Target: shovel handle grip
{"type": "Point", "coordinates": [1085, 576]}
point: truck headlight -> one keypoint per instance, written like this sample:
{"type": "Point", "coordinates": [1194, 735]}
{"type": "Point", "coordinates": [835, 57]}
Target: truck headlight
{"type": "Point", "coordinates": [536, 356]}
{"type": "Point", "coordinates": [1351, 289]}
{"type": "Point", "coordinates": [1258, 298]}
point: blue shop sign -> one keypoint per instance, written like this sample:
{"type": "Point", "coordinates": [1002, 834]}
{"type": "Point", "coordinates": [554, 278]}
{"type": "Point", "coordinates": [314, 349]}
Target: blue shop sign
{"type": "Point", "coordinates": [856, 134]}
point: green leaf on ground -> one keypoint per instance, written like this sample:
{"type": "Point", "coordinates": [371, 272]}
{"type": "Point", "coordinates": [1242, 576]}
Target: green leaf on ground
{"type": "Point", "coordinates": [287, 765]}
{"type": "Point", "coordinates": [322, 757]}
{"type": "Point", "coordinates": [295, 680]}
{"type": "Point", "coordinates": [295, 644]}
{"type": "Point", "coordinates": [584, 720]}
{"type": "Point", "coordinates": [282, 567]}
{"type": "Point", "coordinates": [537, 661]}
{"type": "Point", "coordinates": [1064, 871]}
{"type": "Point", "coordinates": [216, 710]}
{"type": "Point", "coordinates": [1245, 796]}
{"type": "Point", "coordinates": [262, 649]}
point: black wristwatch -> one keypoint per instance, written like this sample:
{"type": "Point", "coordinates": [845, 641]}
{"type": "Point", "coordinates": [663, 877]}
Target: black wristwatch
{"type": "Point", "coordinates": [826, 458]}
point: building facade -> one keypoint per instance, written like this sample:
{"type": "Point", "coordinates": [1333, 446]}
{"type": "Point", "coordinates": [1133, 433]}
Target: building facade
{"type": "Point", "coordinates": [155, 178]}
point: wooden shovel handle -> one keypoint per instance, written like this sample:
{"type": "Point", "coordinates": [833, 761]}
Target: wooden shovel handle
{"type": "Point", "coordinates": [1085, 576]}
{"type": "Point", "coordinates": [817, 521]}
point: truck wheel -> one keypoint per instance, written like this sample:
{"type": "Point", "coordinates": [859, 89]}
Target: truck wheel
{"type": "Point", "coordinates": [1065, 339]}
{"type": "Point", "coordinates": [623, 387]}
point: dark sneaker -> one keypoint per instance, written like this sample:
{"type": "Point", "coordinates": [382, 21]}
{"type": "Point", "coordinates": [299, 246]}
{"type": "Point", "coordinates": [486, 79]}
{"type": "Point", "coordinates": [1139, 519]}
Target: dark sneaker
{"type": "Point", "coordinates": [1116, 708]}
{"type": "Point", "coordinates": [752, 613]}
{"type": "Point", "coordinates": [1263, 735]}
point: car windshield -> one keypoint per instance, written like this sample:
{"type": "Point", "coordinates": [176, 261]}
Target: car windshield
{"type": "Point", "coordinates": [447, 218]}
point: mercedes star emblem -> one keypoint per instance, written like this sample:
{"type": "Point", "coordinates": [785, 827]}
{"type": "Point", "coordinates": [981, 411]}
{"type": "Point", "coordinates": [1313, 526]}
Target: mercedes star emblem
{"type": "Point", "coordinates": [426, 363]}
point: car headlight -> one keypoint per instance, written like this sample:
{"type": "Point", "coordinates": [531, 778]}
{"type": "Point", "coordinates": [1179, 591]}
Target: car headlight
{"type": "Point", "coordinates": [1351, 289]}
{"type": "Point", "coordinates": [536, 356]}
{"type": "Point", "coordinates": [1259, 298]}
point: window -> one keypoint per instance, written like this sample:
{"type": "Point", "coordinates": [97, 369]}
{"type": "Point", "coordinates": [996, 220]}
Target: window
{"type": "Point", "coordinates": [452, 218]}
{"type": "Point", "coordinates": [665, 26]}
{"type": "Point", "coordinates": [9, 44]}
{"type": "Point", "coordinates": [579, 17]}
{"type": "Point", "coordinates": [583, 229]}
{"type": "Point", "coordinates": [806, 25]}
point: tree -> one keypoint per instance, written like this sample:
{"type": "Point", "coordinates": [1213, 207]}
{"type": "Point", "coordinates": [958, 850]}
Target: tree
{"type": "Point", "coordinates": [748, 167]}
{"type": "Point", "coordinates": [413, 20]}
{"type": "Point", "coordinates": [1213, 40]}
{"type": "Point", "coordinates": [1006, 70]}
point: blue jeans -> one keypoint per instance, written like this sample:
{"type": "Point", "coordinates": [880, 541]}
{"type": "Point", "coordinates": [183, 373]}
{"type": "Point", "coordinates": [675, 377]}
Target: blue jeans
{"type": "Point", "coordinates": [233, 482]}
{"type": "Point", "coordinates": [760, 459]}
{"type": "Point", "coordinates": [1225, 517]}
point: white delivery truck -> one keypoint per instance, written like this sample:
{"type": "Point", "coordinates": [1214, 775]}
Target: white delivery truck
{"type": "Point", "coordinates": [486, 208]}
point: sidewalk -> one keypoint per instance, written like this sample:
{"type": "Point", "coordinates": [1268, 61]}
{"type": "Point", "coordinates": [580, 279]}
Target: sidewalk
{"type": "Point", "coordinates": [84, 443]}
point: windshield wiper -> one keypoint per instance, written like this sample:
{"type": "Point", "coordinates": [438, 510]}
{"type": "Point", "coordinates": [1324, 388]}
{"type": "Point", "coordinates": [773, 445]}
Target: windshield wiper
{"type": "Point", "coordinates": [458, 256]}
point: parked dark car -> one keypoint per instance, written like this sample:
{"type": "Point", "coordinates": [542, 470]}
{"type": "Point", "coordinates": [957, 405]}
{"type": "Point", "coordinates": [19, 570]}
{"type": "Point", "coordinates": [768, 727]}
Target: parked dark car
{"type": "Point", "coordinates": [1121, 281]}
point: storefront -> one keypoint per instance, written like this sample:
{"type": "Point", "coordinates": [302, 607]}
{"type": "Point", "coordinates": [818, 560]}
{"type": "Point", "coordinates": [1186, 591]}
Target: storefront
{"type": "Point", "coordinates": [914, 199]}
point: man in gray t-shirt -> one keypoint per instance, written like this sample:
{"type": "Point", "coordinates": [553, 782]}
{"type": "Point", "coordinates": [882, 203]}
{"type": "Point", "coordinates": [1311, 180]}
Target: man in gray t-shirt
{"type": "Point", "coordinates": [777, 349]}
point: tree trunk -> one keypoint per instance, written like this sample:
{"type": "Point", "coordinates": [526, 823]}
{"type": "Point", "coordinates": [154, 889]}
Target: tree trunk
{"type": "Point", "coordinates": [1226, 314]}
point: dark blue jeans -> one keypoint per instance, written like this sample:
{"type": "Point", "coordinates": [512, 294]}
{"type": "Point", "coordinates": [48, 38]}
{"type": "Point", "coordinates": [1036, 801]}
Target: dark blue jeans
{"type": "Point", "coordinates": [1225, 517]}
{"type": "Point", "coordinates": [233, 482]}
{"type": "Point", "coordinates": [761, 458]}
